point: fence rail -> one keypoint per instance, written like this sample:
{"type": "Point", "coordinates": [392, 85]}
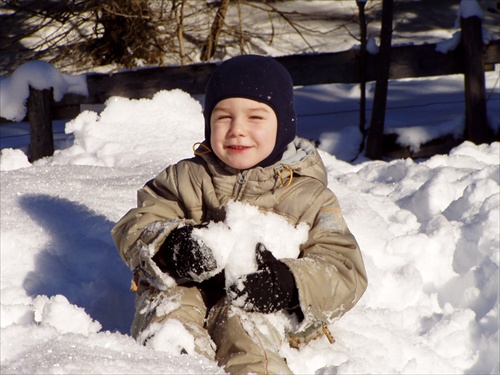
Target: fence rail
{"type": "Point", "coordinates": [410, 61]}
{"type": "Point", "coordinates": [307, 69]}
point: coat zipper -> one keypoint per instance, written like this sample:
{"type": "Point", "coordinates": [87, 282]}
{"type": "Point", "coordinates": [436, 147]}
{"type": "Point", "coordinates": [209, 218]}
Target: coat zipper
{"type": "Point", "coordinates": [242, 179]}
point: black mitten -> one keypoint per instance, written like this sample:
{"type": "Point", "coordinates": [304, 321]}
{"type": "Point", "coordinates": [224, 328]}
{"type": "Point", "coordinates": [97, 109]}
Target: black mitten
{"type": "Point", "coordinates": [185, 257]}
{"type": "Point", "coordinates": [271, 288]}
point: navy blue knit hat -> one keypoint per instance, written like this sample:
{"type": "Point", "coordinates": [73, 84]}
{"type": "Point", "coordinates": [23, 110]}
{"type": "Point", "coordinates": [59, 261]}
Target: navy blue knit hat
{"type": "Point", "coordinates": [258, 78]}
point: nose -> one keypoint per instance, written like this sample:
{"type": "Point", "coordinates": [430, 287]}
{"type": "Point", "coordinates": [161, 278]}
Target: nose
{"type": "Point", "coordinates": [237, 128]}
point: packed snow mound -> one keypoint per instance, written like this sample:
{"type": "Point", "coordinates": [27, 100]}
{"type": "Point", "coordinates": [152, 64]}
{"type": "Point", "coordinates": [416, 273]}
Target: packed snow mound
{"type": "Point", "coordinates": [11, 159]}
{"type": "Point", "coordinates": [128, 132]}
{"type": "Point", "coordinates": [131, 131]}
{"type": "Point", "coordinates": [66, 318]}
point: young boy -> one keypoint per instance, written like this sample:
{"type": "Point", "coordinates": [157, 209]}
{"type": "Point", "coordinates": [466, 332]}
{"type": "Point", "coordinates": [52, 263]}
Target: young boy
{"type": "Point", "coordinates": [250, 154]}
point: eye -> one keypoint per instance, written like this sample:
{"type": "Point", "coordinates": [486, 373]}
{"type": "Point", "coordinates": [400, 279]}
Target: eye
{"type": "Point", "coordinates": [222, 117]}
{"type": "Point", "coordinates": [256, 117]}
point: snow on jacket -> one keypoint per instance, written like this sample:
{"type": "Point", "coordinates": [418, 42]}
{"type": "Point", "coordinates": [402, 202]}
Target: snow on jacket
{"type": "Point", "coordinates": [329, 272]}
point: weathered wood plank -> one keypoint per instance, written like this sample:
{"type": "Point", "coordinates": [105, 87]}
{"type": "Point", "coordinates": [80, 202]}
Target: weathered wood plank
{"type": "Point", "coordinates": [307, 69]}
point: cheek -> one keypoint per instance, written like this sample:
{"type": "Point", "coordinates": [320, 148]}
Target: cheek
{"type": "Point", "coordinates": [267, 140]}
{"type": "Point", "coordinates": [215, 133]}
{"type": "Point", "coordinates": [217, 139]}
{"type": "Point", "coordinates": [269, 135]}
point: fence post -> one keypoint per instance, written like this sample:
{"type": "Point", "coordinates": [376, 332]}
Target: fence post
{"type": "Point", "coordinates": [375, 139]}
{"type": "Point", "coordinates": [40, 119]}
{"type": "Point", "coordinates": [476, 119]}
{"type": "Point", "coordinates": [362, 72]}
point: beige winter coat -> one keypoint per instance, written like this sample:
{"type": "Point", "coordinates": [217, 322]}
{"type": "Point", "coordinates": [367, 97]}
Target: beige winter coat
{"type": "Point", "coordinates": [329, 272]}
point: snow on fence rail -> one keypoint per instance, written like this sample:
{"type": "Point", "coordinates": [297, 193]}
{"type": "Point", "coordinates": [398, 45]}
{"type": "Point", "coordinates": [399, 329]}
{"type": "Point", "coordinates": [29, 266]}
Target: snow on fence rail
{"type": "Point", "coordinates": [470, 58]}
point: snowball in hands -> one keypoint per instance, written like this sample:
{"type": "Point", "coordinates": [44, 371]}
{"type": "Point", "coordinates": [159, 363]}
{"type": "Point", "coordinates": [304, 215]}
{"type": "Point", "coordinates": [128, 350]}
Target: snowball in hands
{"type": "Point", "coordinates": [233, 241]}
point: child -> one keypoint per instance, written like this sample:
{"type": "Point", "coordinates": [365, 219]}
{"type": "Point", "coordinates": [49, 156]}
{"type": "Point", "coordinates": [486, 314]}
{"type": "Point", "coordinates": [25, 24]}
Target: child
{"type": "Point", "coordinates": [250, 154]}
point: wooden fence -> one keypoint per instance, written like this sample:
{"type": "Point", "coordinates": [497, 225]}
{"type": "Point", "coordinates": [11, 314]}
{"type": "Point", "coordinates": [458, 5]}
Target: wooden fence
{"type": "Point", "coordinates": [470, 59]}
{"type": "Point", "coordinates": [308, 69]}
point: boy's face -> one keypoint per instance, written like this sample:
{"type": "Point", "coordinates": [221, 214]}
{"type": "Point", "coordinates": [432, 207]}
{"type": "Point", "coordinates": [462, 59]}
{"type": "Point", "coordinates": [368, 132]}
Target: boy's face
{"type": "Point", "coordinates": [243, 132]}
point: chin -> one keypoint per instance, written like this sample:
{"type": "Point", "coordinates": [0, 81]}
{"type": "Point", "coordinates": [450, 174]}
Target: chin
{"type": "Point", "coordinates": [240, 166]}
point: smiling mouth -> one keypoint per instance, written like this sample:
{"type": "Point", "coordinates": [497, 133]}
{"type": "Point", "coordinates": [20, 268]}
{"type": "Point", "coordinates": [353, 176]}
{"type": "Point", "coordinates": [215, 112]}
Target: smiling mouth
{"type": "Point", "coordinates": [238, 147]}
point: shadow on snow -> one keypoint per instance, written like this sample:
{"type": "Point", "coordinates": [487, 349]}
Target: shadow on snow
{"type": "Point", "coordinates": [80, 262]}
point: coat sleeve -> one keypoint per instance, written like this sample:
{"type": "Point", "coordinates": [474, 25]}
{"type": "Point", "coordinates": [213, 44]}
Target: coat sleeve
{"type": "Point", "coordinates": [330, 274]}
{"type": "Point", "coordinates": [140, 233]}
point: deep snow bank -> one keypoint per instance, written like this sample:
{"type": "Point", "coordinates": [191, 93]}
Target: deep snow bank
{"type": "Point", "coordinates": [428, 231]}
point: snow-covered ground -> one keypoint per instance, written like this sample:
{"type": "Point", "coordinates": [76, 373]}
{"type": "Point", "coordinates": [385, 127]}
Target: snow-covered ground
{"type": "Point", "coordinates": [429, 231]}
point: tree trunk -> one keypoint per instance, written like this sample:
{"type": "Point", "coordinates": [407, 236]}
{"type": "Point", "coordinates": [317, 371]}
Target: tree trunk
{"type": "Point", "coordinates": [210, 45]}
{"type": "Point", "coordinates": [179, 17]}
{"type": "Point", "coordinates": [374, 146]}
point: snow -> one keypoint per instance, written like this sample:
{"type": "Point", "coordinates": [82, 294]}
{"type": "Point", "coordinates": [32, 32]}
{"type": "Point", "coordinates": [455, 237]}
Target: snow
{"type": "Point", "coordinates": [40, 75]}
{"type": "Point", "coordinates": [450, 44]}
{"type": "Point", "coordinates": [234, 241]}
{"type": "Point", "coordinates": [371, 46]}
{"type": "Point", "coordinates": [469, 9]}
{"type": "Point", "coordinates": [428, 230]}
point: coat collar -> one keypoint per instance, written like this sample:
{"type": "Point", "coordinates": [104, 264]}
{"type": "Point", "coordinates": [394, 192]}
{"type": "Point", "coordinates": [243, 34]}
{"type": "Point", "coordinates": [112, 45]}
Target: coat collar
{"type": "Point", "coordinates": [300, 158]}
